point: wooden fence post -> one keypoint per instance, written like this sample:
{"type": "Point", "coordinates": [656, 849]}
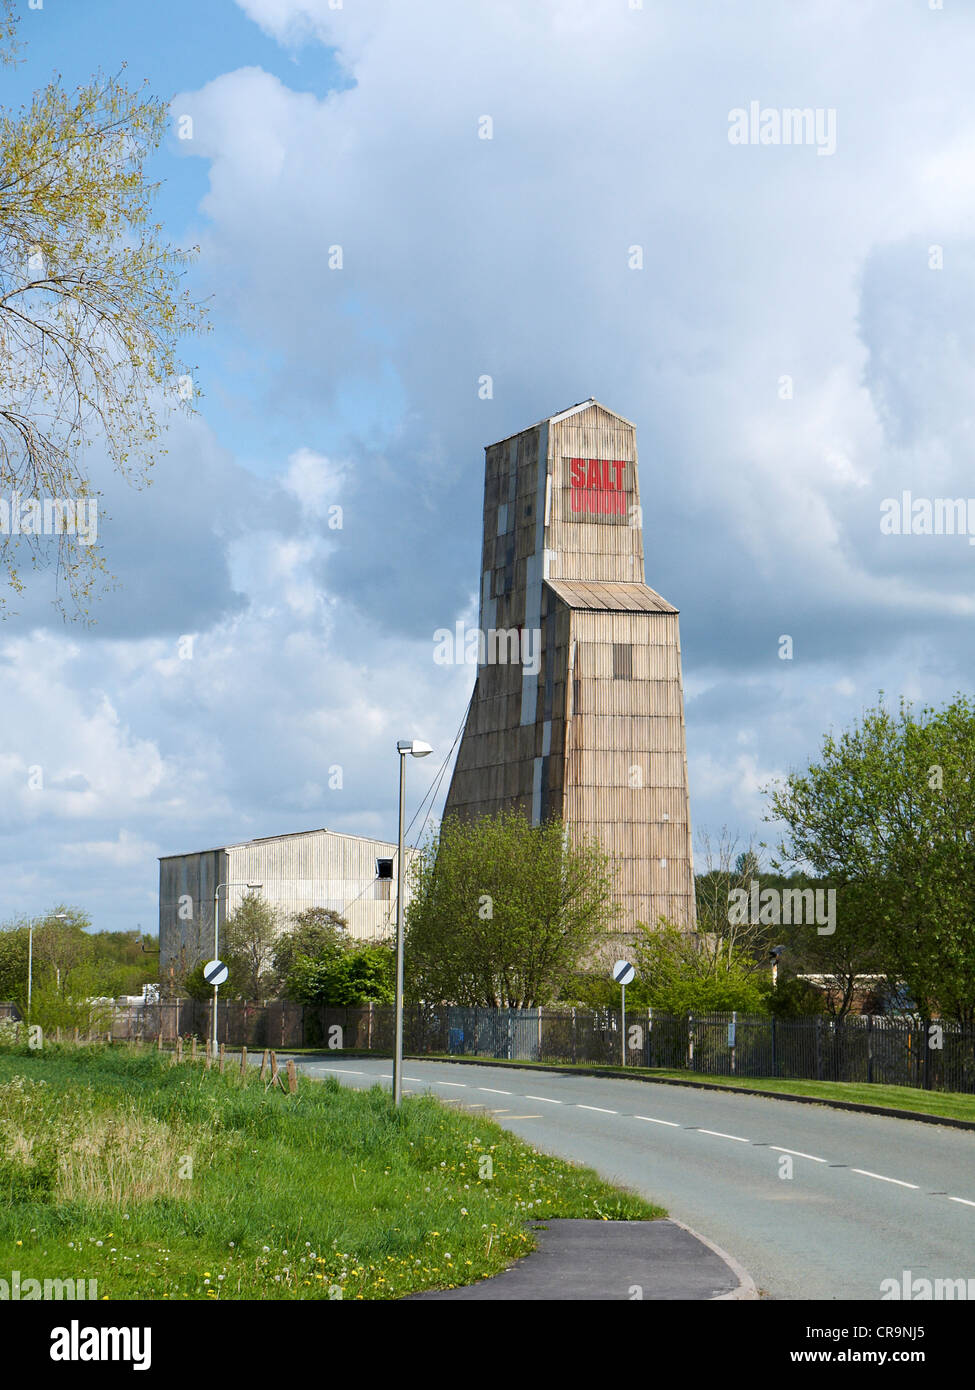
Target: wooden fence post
{"type": "Point", "coordinates": [193, 1051]}
{"type": "Point", "coordinates": [209, 1057]}
{"type": "Point", "coordinates": [292, 1076]}
{"type": "Point", "coordinates": [264, 1065]}
{"type": "Point", "coordinates": [274, 1067]}
{"type": "Point", "coordinates": [223, 1047]}
{"type": "Point", "coordinates": [243, 1062]}
{"type": "Point", "coordinates": [179, 1049]}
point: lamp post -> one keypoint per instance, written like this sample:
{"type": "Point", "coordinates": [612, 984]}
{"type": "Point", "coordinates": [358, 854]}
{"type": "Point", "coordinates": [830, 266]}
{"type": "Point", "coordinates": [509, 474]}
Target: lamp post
{"type": "Point", "coordinates": [231, 883]}
{"type": "Point", "coordinates": [416, 749]}
{"type": "Point", "coordinates": [60, 916]}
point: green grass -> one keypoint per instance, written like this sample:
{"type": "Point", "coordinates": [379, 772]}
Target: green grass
{"type": "Point", "coordinates": [955, 1105]}
{"type": "Point", "coordinates": [164, 1181]}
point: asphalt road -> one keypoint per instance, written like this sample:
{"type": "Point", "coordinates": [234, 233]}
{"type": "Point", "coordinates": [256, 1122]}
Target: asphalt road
{"type": "Point", "coordinates": [867, 1199]}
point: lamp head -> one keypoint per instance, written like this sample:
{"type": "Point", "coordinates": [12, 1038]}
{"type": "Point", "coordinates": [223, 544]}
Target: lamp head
{"type": "Point", "coordinates": [414, 746]}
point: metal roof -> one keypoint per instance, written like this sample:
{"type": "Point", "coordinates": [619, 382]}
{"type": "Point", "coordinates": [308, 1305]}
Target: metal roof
{"type": "Point", "coordinates": [287, 835]}
{"type": "Point", "coordinates": [610, 596]}
{"type": "Point", "coordinates": [564, 415]}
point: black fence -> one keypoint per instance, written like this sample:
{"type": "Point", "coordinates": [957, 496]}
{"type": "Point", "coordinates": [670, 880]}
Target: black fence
{"type": "Point", "coordinates": [860, 1048]}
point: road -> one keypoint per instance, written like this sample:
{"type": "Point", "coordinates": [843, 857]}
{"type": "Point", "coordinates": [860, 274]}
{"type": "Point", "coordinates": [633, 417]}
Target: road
{"type": "Point", "coordinates": [867, 1199]}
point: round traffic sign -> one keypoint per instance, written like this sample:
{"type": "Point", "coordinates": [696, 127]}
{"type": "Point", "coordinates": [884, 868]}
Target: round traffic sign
{"type": "Point", "coordinates": [215, 972]}
{"type": "Point", "coordinates": [623, 972]}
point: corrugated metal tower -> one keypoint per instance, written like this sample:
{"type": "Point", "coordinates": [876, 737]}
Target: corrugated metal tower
{"type": "Point", "coordinates": [586, 720]}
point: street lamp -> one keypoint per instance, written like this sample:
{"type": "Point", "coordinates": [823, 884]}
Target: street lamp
{"type": "Point", "coordinates": [60, 916]}
{"type": "Point", "coordinates": [232, 883]}
{"type": "Point", "coordinates": [774, 953]}
{"type": "Point", "coordinates": [417, 749]}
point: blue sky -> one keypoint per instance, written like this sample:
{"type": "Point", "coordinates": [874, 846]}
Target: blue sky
{"type": "Point", "coordinates": [357, 126]}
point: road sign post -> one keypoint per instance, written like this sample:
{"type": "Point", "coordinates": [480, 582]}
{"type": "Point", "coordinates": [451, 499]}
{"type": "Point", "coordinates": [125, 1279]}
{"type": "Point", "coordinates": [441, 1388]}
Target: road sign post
{"type": "Point", "coordinates": [215, 973]}
{"type": "Point", "coordinates": [623, 973]}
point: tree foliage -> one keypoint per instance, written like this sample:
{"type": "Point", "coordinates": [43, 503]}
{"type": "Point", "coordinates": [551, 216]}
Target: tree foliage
{"type": "Point", "coordinates": [363, 975]}
{"type": "Point", "coordinates": [250, 937]}
{"type": "Point", "coordinates": [678, 977]}
{"type": "Point", "coordinates": [91, 310]}
{"type": "Point", "coordinates": [887, 813]}
{"type": "Point", "coordinates": [317, 933]}
{"type": "Point", "coordinates": [503, 911]}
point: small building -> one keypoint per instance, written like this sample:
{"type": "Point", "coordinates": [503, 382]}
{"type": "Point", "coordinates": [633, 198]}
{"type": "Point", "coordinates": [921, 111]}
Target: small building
{"type": "Point", "coordinates": [350, 874]}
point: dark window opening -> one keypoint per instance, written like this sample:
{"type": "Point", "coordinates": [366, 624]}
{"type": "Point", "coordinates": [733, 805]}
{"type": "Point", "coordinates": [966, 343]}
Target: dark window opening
{"type": "Point", "coordinates": [622, 661]}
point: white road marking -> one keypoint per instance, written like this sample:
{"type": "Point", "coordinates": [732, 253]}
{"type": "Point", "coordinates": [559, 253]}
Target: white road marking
{"type": "Point", "coordinates": [548, 1100]}
{"type": "Point", "coordinates": [494, 1092]}
{"type": "Point", "coordinates": [880, 1178]}
{"type": "Point", "coordinates": [651, 1121]}
{"type": "Point", "coordinates": [346, 1071]}
{"type": "Point", "coordinates": [798, 1154]}
{"type": "Point", "coordinates": [599, 1108]}
{"type": "Point", "coordinates": [461, 1084]}
{"type": "Point", "coordinates": [718, 1135]}
{"type": "Point", "coordinates": [964, 1201]}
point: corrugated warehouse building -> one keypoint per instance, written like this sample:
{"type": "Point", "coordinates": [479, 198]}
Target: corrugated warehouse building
{"type": "Point", "coordinates": [351, 874]}
{"type": "Point", "coordinates": [591, 729]}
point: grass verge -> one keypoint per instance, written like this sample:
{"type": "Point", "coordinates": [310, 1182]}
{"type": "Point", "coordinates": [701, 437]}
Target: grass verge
{"type": "Point", "coordinates": [955, 1105]}
{"type": "Point", "coordinates": [162, 1181]}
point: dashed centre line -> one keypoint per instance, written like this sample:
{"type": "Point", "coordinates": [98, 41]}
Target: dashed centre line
{"type": "Point", "coordinates": [964, 1201]}
{"type": "Point", "coordinates": [598, 1108]}
{"type": "Point", "coordinates": [672, 1124]}
{"type": "Point", "coordinates": [797, 1153]}
{"type": "Point", "coordinates": [718, 1135]}
{"type": "Point", "coordinates": [547, 1099]}
{"type": "Point", "coordinates": [491, 1090]}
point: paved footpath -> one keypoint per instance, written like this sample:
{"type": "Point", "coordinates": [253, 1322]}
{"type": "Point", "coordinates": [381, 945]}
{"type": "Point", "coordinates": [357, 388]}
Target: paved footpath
{"type": "Point", "coordinates": [812, 1202]}
{"type": "Point", "coordinates": [589, 1260]}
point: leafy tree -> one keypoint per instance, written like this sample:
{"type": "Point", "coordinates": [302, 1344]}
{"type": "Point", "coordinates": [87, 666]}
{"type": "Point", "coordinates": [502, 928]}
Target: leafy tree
{"type": "Point", "coordinates": [355, 977]}
{"type": "Point", "coordinates": [61, 941]}
{"type": "Point", "coordinates": [680, 977]}
{"type": "Point", "coordinates": [90, 308]}
{"type": "Point", "coordinates": [794, 997]}
{"type": "Point", "coordinates": [503, 911]}
{"type": "Point", "coordinates": [13, 963]}
{"type": "Point", "coordinates": [888, 815]}
{"type": "Point", "coordinates": [317, 933]}
{"type": "Point", "coordinates": [842, 957]}
{"type": "Point", "coordinates": [249, 940]}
